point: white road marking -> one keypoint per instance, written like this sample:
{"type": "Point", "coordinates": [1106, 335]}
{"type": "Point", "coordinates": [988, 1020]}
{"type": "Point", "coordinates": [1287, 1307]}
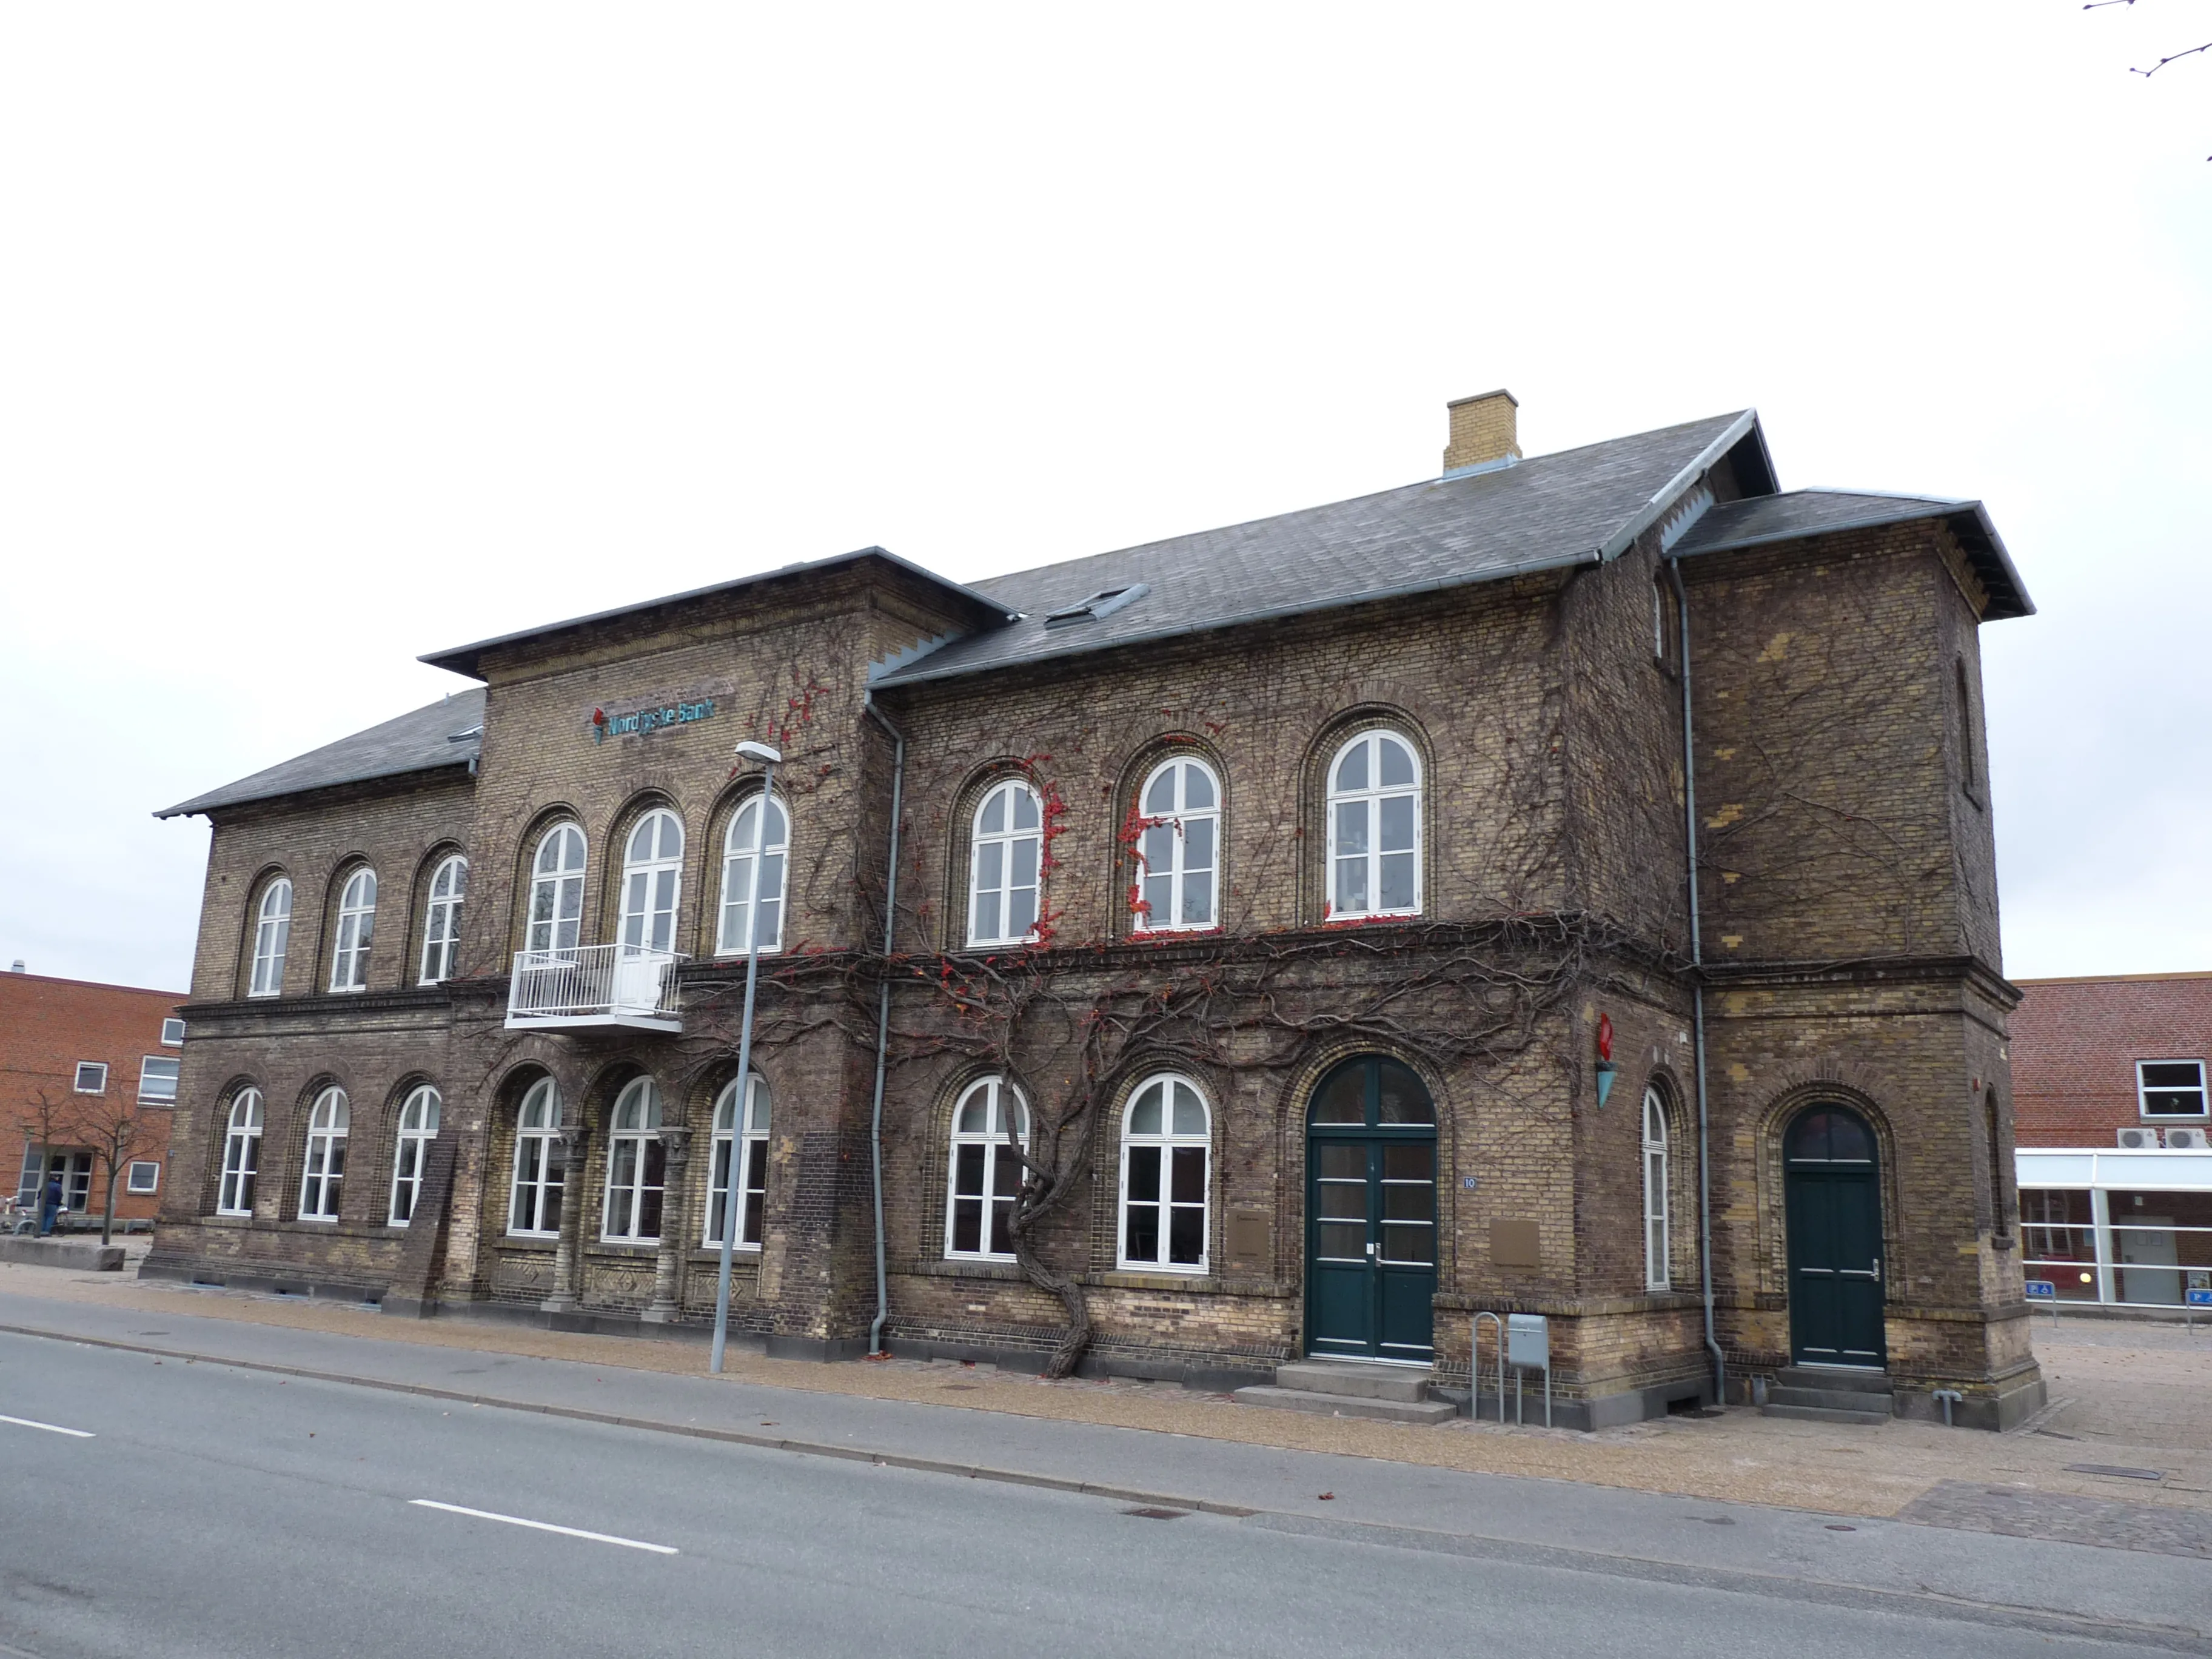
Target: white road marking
{"type": "Point", "coordinates": [517, 1520]}
{"type": "Point", "coordinates": [51, 1428]}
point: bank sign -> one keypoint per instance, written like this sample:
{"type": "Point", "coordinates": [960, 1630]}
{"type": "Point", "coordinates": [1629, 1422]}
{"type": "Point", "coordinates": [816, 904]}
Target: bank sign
{"type": "Point", "coordinates": [642, 722]}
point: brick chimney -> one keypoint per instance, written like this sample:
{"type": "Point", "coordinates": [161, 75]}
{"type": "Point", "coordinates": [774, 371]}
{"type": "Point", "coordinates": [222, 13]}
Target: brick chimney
{"type": "Point", "coordinates": [1482, 433]}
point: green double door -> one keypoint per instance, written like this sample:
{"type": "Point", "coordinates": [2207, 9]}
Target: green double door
{"type": "Point", "coordinates": [1832, 1194]}
{"type": "Point", "coordinates": [1372, 1213]}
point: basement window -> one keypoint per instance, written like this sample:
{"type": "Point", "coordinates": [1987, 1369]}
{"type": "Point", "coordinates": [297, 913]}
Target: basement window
{"type": "Point", "coordinates": [2170, 1088]}
{"type": "Point", "coordinates": [1104, 603]}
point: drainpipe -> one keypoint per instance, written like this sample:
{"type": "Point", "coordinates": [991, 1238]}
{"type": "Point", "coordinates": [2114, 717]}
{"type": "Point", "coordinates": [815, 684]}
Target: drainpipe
{"type": "Point", "coordinates": [884, 1017]}
{"type": "Point", "coordinates": [1698, 989]}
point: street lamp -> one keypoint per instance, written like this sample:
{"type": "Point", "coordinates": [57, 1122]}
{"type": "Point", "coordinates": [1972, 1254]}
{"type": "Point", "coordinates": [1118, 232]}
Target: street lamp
{"type": "Point", "coordinates": [731, 1197]}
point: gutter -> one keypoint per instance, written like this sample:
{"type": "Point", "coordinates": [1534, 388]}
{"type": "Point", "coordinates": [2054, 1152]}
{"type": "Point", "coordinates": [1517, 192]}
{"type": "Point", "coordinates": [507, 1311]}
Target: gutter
{"type": "Point", "coordinates": [884, 1018]}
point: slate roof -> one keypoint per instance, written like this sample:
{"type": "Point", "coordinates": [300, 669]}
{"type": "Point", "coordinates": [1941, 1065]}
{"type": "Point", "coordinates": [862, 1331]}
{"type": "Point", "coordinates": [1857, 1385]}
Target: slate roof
{"type": "Point", "coordinates": [1765, 519]}
{"type": "Point", "coordinates": [417, 742]}
{"type": "Point", "coordinates": [1579, 506]}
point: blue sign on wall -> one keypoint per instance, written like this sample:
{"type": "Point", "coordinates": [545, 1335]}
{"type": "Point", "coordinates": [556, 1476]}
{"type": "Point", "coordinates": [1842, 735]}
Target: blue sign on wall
{"type": "Point", "coordinates": [2200, 1299]}
{"type": "Point", "coordinates": [2042, 1290]}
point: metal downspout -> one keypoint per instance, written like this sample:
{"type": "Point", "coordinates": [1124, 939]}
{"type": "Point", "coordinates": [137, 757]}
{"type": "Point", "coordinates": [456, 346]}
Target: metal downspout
{"type": "Point", "coordinates": [884, 1018]}
{"type": "Point", "coordinates": [1698, 989]}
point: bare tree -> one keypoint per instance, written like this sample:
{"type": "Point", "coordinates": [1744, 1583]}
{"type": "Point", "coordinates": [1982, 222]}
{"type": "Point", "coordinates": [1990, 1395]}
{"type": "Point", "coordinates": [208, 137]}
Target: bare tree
{"type": "Point", "coordinates": [2169, 58]}
{"type": "Point", "coordinates": [113, 1128]}
{"type": "Point", "coordinates": [44, 1121]}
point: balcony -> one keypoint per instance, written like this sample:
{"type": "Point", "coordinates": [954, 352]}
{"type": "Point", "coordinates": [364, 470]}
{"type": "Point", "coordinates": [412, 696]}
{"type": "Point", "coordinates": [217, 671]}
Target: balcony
{"type": "Point", "coordinates": [594, 985]}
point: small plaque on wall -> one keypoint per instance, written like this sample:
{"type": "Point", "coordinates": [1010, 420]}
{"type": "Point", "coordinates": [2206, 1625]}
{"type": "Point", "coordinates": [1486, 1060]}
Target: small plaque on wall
{"type": "Point", "coordinates": [1516, 1244]}
{"type": "Point", "coordinates": [1251, 1239]}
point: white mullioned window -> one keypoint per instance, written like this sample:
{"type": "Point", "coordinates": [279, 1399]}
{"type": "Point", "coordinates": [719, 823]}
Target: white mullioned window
{"type": "Point", "coordinates": [556, 890]}
{"type": "Point", "coordinates": [356, 931]}
{"type": "Point", "coordinates": [145, 1176]}
{"type": "Point", "coordinates": [1003, 866]}
{"type": "Point", "coordinates": [731, 937]}
{"type": "Point", "coordinates": [1375, 827]}
{"type": "Point", "coordinates": [534, 1208]}
{"type": "Point", "coordinates": [272, 934]}
{"type": "Point", "coordinates": [324, 1173]}
{"type": "Point", "coordinates": [242, 1155]}
{"type": "Point", "coordinates": [1656, 1276]}
{"type": "Point", "coordinates": [157, 1079]}
{"type": "Point", "coordinates": [751, 1161]}
{"type": "Point", "coordinates": [637, 1166]}
{"type": "Point", "coordinates": [418, 1127]}
{"type": "Point", "coordinates": [2170, 1088]}
{"type": "Point", "coordinates": [652, 880]}
{"type": "Point", "coordinates": [1179, 848]}
{"type": "Point", "coordinates": [1167, 1142]}
{"type": "Point", "coordinates": [441, 931]}
{"type": "Point", "coordinates": [987, 1172]}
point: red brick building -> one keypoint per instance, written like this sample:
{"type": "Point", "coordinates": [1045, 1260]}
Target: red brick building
{"type": "Point", "coordinates": [82, 1068]}
{"type": "Point", "coordinates": [2093, 1057]}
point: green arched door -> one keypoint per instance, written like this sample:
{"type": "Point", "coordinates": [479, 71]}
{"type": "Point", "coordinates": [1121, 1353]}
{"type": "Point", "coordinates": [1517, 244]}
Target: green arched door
{"type": "Point", "coordinates": [1372, 1213]}
{"type": "Point", "coordinates": [1833, 1191]}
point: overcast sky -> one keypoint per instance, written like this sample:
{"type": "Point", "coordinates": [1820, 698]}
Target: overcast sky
{"type": "Point", "coordinates": [336, 335]}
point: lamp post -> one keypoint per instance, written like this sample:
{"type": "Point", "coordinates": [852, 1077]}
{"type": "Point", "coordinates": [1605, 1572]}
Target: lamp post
{"type": "Point", "coordinates": [731, 1197]}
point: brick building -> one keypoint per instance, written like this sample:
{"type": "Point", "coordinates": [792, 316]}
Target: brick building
{"type": "Point", "coordinates": [88, 1071]}
{"type": "Point", "coordinates": [1271, 942]}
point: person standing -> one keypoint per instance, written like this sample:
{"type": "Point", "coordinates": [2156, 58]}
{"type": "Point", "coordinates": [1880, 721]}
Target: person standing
{"type": "Point", "coordinates": [49, 1203]}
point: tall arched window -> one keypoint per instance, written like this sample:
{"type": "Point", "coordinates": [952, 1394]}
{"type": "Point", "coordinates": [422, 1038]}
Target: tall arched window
{"type": "Point", "coordinates": [442, 933]}
{"type": "Point", "coordinates": [356, 929]}
{"type": "Point", "coordinates": [242, 1155]}
{"type": "Point", "coordinates": [731, 937]}
{"type": "Point", "coordinates": [556, 890]}
{"type": "Point", "coordinates": [1009, 845]}
{"type": "Point", "coordinates": [1179, 848]}
{"type": "Point", "coordinates": [637, 1166]}
{"type": "Point", "coordinates": [987, 1173]}
{"type": "Point", "coordinates": [1166, 1143]}
{"type": "Point", "coordinates": [534, 1209]}
{"type": "Point", "coordinates": [653, 878]}
{"type": "Point", "coordinates": [324, 1171]}
{"type": "Point", "coordinates": [752, 1165]}
{"type": "Point", "coordinates": [418, 1127]}
{"type": "Point", "coordinates": [272, 933]}
{"type": "Point", "coordinates": [1375, 827]}
{"type": "Point", "coordinates": [1655, 1190]}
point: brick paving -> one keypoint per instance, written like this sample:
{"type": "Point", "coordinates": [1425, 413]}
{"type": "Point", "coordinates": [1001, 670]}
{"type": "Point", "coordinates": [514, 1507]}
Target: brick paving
{"type": "Point", "coordinates": [2064, 1518]}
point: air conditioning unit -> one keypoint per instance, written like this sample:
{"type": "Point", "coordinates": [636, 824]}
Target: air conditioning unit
{"type": "Point", "coordinates": [2139, 1140]}
{"type": "Point", "coordinates": [2187, 1140]}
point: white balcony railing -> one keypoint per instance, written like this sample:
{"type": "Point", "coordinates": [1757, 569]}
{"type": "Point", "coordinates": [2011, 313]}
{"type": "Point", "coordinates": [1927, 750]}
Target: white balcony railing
{"type": "Point", "coordinates": [595, 985]}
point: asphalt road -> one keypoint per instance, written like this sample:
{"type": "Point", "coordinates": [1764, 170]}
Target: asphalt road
{"type": "Point", "coordinates": [200, 1509]}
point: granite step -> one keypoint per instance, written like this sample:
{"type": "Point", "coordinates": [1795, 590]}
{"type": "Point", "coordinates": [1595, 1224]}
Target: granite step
{"type": "Point", "coordinates": [1821, 1414]}
{"type": "Point", "coordinates": [1346, 1404]}
{"type": "Point", "coordinates": [1834, 1399]}
{"type": "Point", "coordinates": [1353, 1381]}
{"type": "Point", "coordinates": [1838, 1377]}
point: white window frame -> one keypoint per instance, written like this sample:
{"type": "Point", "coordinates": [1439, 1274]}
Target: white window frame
{"type": "Point", "coordinates": [738, 875]}
{"type": "Point", "coordinates": [151, 1096]}
{"type": "Point", "coordinates": [1168, 1141]}
{"type": "Point", "coordinates": [99, 1070]}
{"type": "Point", "coordinates": [652, 885]}
{"type": "Point", "coordinates": [1002, 847]}
{"type": "Point", "coordinates": [752, 1166]}
{"type": "Point", "coordinates": [1002, 1169]}
{"type": "Point", "coordinates": [442, 926]}
{"type": "Point", "coordinates": [1370, 799]}
{"type": "Point", "coordinates": [241, 1154]}
{"type": "Point", "coordinates": [418, 1127]}
{"type": "Point", "coordinates": [637, 1165]}
{"type": "Point", "coordinates": [272, 939]}
{"type": "Point", "coordinates": [536, 1129]}
{"type": "Point", "coordinates": [322, 1171]}
{"type": "Point", "coordinates": [1657, 1229]}
{"type": "Point", "coordinates": [153, 1183]}
{"type": "Point", "coordinates": [555, 916]}
{"type": "Point", "coordinates": [356, 931]}
{"type": "Point", "coordinates": [2143, 1093]}
{"type": "Point", "coordinates": [173, 1033]}
{"type": "Point", "coordinates": [1163, 827]}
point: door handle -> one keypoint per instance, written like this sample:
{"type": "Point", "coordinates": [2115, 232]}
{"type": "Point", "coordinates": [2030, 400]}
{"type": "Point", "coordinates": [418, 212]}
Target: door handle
{"type": "Point", "coordinates": [1370, 1248]}
{"type": "Point", "coordinates": [1877, 1270]}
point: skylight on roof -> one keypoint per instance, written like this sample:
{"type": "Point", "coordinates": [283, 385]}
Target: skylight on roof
{"type": "Point", "coordinates": [1104, 603]}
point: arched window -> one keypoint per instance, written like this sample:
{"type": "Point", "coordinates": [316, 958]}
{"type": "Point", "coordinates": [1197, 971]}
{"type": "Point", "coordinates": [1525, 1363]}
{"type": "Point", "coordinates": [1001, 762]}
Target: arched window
{"type": "Point", "coordinates": [535, 1207]}
{"type": "Point", "coordinates": [324, 1171]}
{"type": "Point", "coordinates": [987, 1173]}
{"type": "Point", "coordinates": [356, 928]}
{"type": "Point", "coordinates": [1375, 829]}
{"type": "Point", "coordinates": [1166, 1143]}
{"type": "Point", "coordinates": [556, 890]}
{"type": "Point", "coordinates": [738, 846]}
{"type": "Point", "coordinates": [752, 1165]}
{"type": "Point", "coordinates": [1179, 848]}
{"type": "Point", "coordinates": [653, 878]}
{"type": "Point", "coordinates": [637, 1166]}
{"type": "Point", "coordinates": [1655, 1190]}
{"type": "Point", "coordinates": [272, 933]}
{"type": "Point", "coordinates": [442, 933]}
{"type": "Point", "coordinates": [1009, 845]}
{"type": "Point", "coordinates": [242, 1155]}
{"type": "Point", "coordinates": [418, 1127]}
